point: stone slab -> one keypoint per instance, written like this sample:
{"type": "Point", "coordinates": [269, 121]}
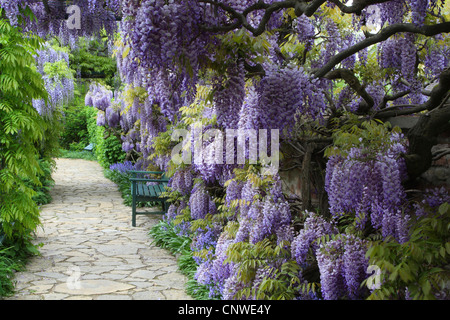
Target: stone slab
{"type": "Point", "coordinates": [92, 287]}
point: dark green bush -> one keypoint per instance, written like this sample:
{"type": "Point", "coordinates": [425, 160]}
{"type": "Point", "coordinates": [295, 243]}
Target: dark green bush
{"type": "Point", "coordinates": [14, 254]}
{"type": "Point", "coordinates": [45, 184]}
{"type": "Point", "coordinates": [107, 146]}
{"type": "Point", "coordinates": [7, 268]}
{"type": "Point", "coordinates": [75, 135]}
{"type": "Point", "coordinates": [91, 58]}
{"type": "Point", "coordinates": [420, 267]}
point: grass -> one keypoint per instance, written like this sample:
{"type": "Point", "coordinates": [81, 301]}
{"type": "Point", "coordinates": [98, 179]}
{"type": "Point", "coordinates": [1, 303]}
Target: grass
{"type": "Point", "coordinates": [7, 268]}
{"type": "Point", "coordinates": [165, 236]}
{"type": "Point", "coordinates": [85, 155]}
{"type": "Point", "coordinates": [12, 259]}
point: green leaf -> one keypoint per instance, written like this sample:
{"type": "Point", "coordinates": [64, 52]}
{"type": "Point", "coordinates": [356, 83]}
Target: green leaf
{"type": "Point", "coordinates": [405, 274]}
{"type": "Point", "coordinates": [444, 208]}
{"type": "Point", "coordinates": [442, 252]}
{"type": "Point", "coordinates": [426, 287]}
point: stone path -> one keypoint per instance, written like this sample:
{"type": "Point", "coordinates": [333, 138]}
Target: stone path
{"type": "Point", "coordinates": [90, 251]}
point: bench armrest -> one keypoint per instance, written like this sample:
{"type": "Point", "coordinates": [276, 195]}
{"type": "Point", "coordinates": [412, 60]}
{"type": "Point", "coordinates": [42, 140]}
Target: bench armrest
{"type": "Point", "coordinates": [146, 172]}
{"type": "Point", "coordinates": [148, 180]}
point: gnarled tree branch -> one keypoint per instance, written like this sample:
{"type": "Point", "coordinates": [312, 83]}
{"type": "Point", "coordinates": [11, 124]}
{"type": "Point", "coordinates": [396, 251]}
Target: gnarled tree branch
{"type": "Point", "coordinates": [349, 77]}
{"type": "Point", "coordinates": [384, 34]}
{"type": "Point", "coordinates": [436, 99]}
{"type": "Point", "coordinates": [306, 7]}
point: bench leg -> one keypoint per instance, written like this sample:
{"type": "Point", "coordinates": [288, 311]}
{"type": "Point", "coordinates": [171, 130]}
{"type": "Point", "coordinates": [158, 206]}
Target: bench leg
{"type": "Point", "coordinates": [133, 205]}
{"type": "Point", "coordinates": [133, 218]}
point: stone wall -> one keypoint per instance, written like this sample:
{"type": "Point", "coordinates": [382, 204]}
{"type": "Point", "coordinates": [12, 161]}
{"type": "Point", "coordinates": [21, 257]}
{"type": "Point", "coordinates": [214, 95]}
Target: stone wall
{"type": "Point", "coordinates": [437, 176]}
{"type": "Point", "coordinates": [439, 173]}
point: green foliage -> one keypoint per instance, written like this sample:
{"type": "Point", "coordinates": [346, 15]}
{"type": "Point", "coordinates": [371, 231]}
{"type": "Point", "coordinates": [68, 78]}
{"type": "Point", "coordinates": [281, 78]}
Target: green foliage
{"type": "Point", "coordinates": [92, 60]}
{"type": "Point", "coordinates": [165, 236]}
{"type": "Point", "coordinates": [372, 135]}
{"type": "Point", "coordinates": [75, 129]}
{"type": "Point", "coordinates": [14, 254]}
{"type": "Point", "coordinates": [23, 130]}
{"type": "Point", "coordinates": [419, 265]}
{"type": "Point", "coordinates": [281, 283]}
{"type": "Point", "coordinates": [236, 44]}
{"type": "Point", "coordinates": [85, 155]}
{"type": "Point", "coordinates": [109, 150]}
{"type": "Point", "coordinates": [42, 195]}
{"type": "Point", "coordinates": [74, 134]}
{"type": "Point", "coordinates": [58, 69]}
{"type": "Point", "coordinates": [8, 266]}
{"type": "Point", "coordinates": [107, 146]}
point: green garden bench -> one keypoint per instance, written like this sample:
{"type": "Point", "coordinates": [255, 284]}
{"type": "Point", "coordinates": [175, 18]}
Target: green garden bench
{"type": "Point", "coordinates": [141, 191]}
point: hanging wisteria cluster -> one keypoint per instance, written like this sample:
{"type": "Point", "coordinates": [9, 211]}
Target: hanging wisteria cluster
{"type": "Point", "coordinates": [342, 264]}
{"type": "Point", "coordinates": [431, 201]}
{"type": "Point", "coordinates": [370, 186]}
{"type": "Point", "coordinates": [258, 219]}
{"type": "Point", "coordinates": [314, 228]}
{"type": "Point", "coordinates": [53, 18]}
{"type": "Point", "coordinates": [59, 85]}
{"type": "Point", "coordinates": [99, 97]}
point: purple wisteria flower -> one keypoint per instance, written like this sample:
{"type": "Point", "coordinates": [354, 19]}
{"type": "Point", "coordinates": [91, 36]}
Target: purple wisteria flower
{"type": "Point", "coordinates": [342, 265]}
{"type": "Point", "coordinates": [124, 167]}
{"type": "Point", "coordinates": [370, 187]}
{"type": "Point", "coordinates": [315, 227]}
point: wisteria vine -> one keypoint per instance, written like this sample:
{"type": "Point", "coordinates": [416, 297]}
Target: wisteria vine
{"type": "Point", "coordinates": [170, 52]}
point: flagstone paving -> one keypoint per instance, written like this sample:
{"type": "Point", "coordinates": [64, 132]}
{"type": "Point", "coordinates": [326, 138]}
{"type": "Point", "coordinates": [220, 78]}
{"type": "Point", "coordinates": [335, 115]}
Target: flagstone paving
{"type": "Point", "coordinates": [90, 250]}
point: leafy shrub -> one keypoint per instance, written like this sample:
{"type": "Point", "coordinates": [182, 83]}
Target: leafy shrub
{"type": "Point", "coordinates": [419, 268]}
{"type": "Point", "coordinates": [108, 148]}
{"type": "Point", "coordinates": [14, 254]}
{"type": "Point", "coordinates": [92, 60]}
{"type": "Point", "coordinates": [42, 189]}
{"type": "Point", "coordinates": [86, 155]}
{"type": "Point", "coordinates": [7, 268]}
{"type": "Point", "coordinates": [75, 135]}
{"type": "Point", "coordinates": [23, 130]}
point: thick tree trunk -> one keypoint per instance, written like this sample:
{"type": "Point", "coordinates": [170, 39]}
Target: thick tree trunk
{"type": "Point", "coordinates": [422, 137]}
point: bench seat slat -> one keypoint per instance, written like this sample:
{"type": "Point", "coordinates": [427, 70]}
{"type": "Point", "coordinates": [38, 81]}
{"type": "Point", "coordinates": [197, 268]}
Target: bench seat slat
{"type": "Point", "coordinates": [152, 190]}
{"type": "Point", "coordinates": [141, 189]}
{"type": "Point", "coordinates": [161, 188]}
{"type": "Point", "coordinates": [148, 190]}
